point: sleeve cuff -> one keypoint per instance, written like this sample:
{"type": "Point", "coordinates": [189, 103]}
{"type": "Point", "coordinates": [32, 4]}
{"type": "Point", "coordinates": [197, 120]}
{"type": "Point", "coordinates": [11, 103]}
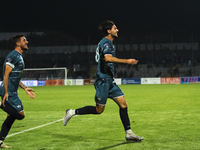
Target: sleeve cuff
{"type": "Point", "coordinates": [11, 65]}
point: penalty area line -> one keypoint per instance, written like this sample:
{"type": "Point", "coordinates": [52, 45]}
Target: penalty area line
{"type": "Point", "coordinates": [34, 128]}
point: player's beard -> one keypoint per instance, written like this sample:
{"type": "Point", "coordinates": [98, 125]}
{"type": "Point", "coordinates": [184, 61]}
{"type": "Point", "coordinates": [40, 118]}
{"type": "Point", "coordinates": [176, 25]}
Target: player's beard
{"type": "Point", "coordinates": [114, 36]}
{"type": "Point", "coordinates": [24, 48]}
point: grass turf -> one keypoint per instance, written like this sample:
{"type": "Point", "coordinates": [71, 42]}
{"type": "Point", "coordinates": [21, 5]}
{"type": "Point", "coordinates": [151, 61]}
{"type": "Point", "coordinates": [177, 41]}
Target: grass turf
{"type": "Point", "coordinates": [166, 115]}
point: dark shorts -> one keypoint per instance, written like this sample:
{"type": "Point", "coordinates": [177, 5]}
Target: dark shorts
{"type": "Point", "coordinates": [106, 88]}
{"type": "Point", "coordinates": [15, 102]}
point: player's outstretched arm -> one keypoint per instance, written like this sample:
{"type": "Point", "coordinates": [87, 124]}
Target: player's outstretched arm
{"type": "Point", "coordinates": [29, 91]}
{"type": "Point", "coordinates": [132, 61]}
{"type": "Point", "coordinates": [110, 58]}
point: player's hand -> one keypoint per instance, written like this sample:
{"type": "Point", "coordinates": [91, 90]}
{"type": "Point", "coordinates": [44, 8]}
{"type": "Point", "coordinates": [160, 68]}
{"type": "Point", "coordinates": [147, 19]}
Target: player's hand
{"type": "Point", "coordinates": [29, 92]}
{"type": "Point", "coordinates": [5, 98]}
{"type": "Point", "coordinates": [132, 61]}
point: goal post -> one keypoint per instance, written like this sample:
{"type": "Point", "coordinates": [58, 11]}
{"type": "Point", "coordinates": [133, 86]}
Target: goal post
{"type": "Point", "coordinates": [42, 74]}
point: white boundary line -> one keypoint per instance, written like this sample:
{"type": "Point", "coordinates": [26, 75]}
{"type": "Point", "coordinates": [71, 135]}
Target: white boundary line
{"type": "Point", "coordinates": [34, 128]}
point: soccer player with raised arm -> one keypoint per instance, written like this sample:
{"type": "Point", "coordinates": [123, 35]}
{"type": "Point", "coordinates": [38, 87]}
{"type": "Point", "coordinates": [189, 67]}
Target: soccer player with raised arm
{"type": "Point", "coordinates": [12, 73]}
{"type": "Point", "coordinates": [104, 82]}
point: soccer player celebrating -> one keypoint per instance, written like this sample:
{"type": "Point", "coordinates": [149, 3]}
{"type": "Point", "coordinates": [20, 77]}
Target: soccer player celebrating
{"type": "Point", "coordinates": [12, 72]}
{"type": "Point", "coordinates": [104, 82]}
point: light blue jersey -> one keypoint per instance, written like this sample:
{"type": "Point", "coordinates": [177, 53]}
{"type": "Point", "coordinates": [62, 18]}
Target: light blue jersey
{"type": "Point", "coordinates": [14, 59]}
{"type": "Point", "coordinates": [105, 69]}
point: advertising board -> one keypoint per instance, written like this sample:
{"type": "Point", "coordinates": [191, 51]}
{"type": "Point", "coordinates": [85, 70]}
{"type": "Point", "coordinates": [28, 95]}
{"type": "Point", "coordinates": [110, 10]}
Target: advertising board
{"type": "Point", "coordinates": [150, 81]}
{"type": "Point", "coordinates": [88, 82]}
{"type": "Point", "coordinates": [185, 80]}
{"type": "Point", "coordinates": [79, 82]}
{"type": "Point", "coordinates": [41, 83]}
{"type": "Point", "coordinates": [131, 81]}
{"type": "Point", "coordinates": [170, 80]}
{"type": "Point", "coordinates": [30, 82]}
{"type": "Point", "coordinates": [54, 82]}
{"type": "Point", "coordinates": [118, 81]}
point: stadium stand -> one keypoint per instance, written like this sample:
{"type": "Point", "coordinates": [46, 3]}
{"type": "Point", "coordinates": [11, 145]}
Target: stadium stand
{"type": "Point", "coordinates": [158, 56]}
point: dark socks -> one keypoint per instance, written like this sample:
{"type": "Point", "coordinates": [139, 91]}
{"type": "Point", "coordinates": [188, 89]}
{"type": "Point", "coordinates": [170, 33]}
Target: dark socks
{"type": "Point", "coordinates": [124, 118]}
{"type": "Point", "coordinates": [92, 110]}
{"type": "Point", "coordinates": [6, 127]}
{"type": "Point", "coordinates": [86, 110]}
{"type": "Point", "coordinates": [12, 112]}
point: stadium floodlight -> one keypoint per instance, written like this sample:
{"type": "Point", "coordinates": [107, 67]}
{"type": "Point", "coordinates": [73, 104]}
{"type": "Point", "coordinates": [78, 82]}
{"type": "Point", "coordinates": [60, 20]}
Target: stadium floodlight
{"type": "Point", "coordinates": [44, 73]}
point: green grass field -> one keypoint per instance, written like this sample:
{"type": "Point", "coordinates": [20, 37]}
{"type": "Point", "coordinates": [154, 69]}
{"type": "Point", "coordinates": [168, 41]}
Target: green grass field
{"type": "Point", "coordinates": [166, 115]}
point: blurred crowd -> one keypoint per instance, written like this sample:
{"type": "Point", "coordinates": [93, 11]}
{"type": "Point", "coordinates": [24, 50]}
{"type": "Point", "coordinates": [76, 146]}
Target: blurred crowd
{"type": "Point", "coordinates": [152, 63]}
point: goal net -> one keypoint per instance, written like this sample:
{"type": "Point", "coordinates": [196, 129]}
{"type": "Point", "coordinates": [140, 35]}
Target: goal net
{"type": "Point", "coordinates": [42, 74]}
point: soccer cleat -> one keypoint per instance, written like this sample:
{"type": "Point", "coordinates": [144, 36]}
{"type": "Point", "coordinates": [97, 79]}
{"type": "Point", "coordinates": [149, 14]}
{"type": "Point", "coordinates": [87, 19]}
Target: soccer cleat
{"type": "Point", "coordinates": [2, 145]}
{"type": "Point", "coordinates": [133, 137]}
{"type": "Point", "coordinates": [68, 115]}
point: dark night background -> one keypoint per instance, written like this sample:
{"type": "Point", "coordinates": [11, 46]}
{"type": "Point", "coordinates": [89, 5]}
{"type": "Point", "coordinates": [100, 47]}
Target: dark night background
{"type": "Point", "coordinates": [76, 23]}
{"type": "Point", "coordinates": [79, 17]}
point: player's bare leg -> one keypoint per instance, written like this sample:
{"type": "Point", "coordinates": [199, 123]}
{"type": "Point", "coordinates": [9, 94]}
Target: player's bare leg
{"type": "Point", "coordinates": [22, 113]}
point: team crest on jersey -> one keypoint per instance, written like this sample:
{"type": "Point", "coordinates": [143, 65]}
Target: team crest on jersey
{"type": "Point", "coordinates": [9, 60]}
{"type": "Point", "coordinates": [106, 45]}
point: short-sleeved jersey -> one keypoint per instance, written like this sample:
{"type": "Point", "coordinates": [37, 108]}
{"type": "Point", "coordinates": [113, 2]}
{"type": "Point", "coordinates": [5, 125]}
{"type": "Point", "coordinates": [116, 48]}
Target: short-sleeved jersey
{"type": "Point", "coordinates": [105, 69]}
{"type": "Point", "coordinates": [14, 59]}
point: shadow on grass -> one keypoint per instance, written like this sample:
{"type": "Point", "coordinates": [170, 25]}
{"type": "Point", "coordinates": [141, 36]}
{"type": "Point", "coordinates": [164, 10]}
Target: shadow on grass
{"type": "Point", "coordinates": [112, 146]}
{"type": "Point", "coordinates": [80, 138]}
{"type": "Point", "coordinates": [70, 137]}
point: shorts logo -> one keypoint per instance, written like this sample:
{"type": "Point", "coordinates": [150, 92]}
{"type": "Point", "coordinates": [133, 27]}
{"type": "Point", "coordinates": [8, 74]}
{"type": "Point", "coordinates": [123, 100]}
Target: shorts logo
{"type": "Point", "coordinates": [19, 106]}
{"type": "Point", "coordinates": [98, 98]}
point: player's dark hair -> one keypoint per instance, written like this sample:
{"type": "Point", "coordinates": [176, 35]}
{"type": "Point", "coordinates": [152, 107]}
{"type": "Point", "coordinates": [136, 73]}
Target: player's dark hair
{"type": "Point", "coordinates": [16, 39]}
{"type": "Point", "coordinates": [104, 26]}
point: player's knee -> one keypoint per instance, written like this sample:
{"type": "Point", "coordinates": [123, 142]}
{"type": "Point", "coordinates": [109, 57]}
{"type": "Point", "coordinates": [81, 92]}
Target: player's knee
{"type": "Point", "coordinates": [20, 117]}
{"type": "Point", "coordinates": [99, 110]}
{"type": "Point", "coordinates": [123, 105]}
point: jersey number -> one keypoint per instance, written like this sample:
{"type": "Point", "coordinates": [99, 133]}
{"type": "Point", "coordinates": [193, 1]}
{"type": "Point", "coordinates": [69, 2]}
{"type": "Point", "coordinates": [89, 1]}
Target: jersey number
{"type": "Point", "coordinates": [97, 56]}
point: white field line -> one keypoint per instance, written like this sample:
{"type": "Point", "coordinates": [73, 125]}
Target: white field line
{"type": "Point", "coordinates": [34, 128]}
